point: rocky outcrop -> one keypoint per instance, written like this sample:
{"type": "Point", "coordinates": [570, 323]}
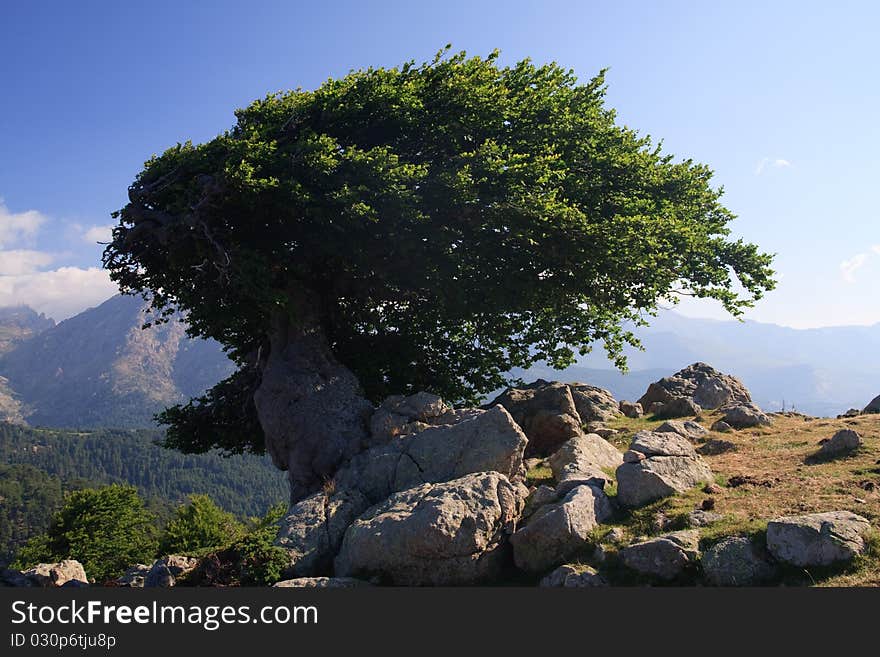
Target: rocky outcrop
{"type": "Point", "coordinates": [841, 443]}
{"type": "Point", "coordinates": [573, 577]}
{"type": "Point", "coordinates": [67, 572]}
{"type": "Point", "coordinates": [631, 409]}
{"type": "Point", "coordinates": [737, 561]}
{"type": "Point", "coordinates": [313, 529]}
{"type": "Point", "coordinates": [658, 465]}
{"type": "Point", "coordinates": [399, 416]}
{"type": "Point", "coordinates": [321, 583]}
{"type": "Point", "coordinates": [134, 577]}
{"type": "Point", "coordinates": [582, 460]}
{"type": "Point", "coordinates": [665, 557]}
{"type": "Point", "coordinates": [693, 431]}
{"type": "Point", "coordinates": [873, 406]}
{"type": "Point", "coordinates": [743, 416]}
{"type": "Point", "coordinates": [449, 533]}
{"type": "Point", "coordinates": [166, 571]}
{"type": "Point", "coordinates": [551, 413]}
{"type": "Point", "coordinates": [486, 441]}
{"type": "Point", "coordinates": [556, 532]}
{"type": "Point", "coordinates": [817, 539]}
{"type": "Point", "coordinates": [702, 384]}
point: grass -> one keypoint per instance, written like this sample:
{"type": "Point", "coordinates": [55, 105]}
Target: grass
{"type": "Point", "coordinates": [780, 478]}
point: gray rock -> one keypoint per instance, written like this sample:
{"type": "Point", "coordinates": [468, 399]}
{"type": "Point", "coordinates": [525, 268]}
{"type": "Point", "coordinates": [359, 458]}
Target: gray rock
{"type": "Point", "coordinates": [631, 409]}
{"type": "Point", "coordinates": [701, 518]}
{"type": "Point", "coordinates": [677, 407]}
{"type": "Point", "coordinates": [56, 574]}
{"type": "Point", "coordinates": [632, 456]}
{"type": "Point", "coordinates": [399, 415]}
{"type": "Point", "coordinates": [852, 412]}
{"type": "Point", "coordinates": [704, 385]}
{"type": "Point", "coordinates": [488, 441]}
{"type": "Point", "coordinates": [665, 557]}
{"type": "Point", "coordinates": [165, 572]}
{"type": "Point", "coordinates": [693, 431]}
{"type": "Point", "coordinates": [737, 561]}
{"type": "Point", "coordinates": [321, 583]}
{"type": "Point", "coordinates": [605, 432]}
{"type": "Point", "coordinates": [873, 406]}
{"type": "Point", "coordinates": [743, 416]}
{"type": "Point", "coordinates": [721, 426]}
{"type": "Point", "coordinates": [843, 442]}
{"type": "Point", "coordinates": [581, 461]}
{"type": "Point", "coordinates": [450, 533]}
{"type": "Point", "coordinates": [313, 528]}
{"type": "Point", "coordinates": [134, 577]}
{"type": "Point", "coordinates": [556, 532]}
{"type": "Point", "coordinates": [671, 466]}
{"type": "Point", "coordinates": [817, 539]}
{"type": "Point", "coordinates": [593, 403]}
{"type": "Point", "coordinates": [539, 497]}
{"type": "Point", "coordinates": [573, 577]}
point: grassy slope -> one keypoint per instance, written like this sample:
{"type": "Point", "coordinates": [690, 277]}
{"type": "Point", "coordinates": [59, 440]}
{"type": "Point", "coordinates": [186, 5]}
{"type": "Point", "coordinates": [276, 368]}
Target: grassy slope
{"type": "Point", "coordinates": [785, 481]}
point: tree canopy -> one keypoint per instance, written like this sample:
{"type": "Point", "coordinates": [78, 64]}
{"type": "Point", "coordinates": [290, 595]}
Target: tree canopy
{"type": "Point", "coordinates": [447, 221]}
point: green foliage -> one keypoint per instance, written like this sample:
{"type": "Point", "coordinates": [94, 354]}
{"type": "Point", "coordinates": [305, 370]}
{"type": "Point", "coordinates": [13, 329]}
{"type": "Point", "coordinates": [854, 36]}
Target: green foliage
{"type": "Point", "coordinates": [198, 526]}
{"type": "Point", "coordinates": [28, 498]}
{"type": "Point", "coordinates": [105, 529]}
{"type": "Point", "coordinates": [447, 222]}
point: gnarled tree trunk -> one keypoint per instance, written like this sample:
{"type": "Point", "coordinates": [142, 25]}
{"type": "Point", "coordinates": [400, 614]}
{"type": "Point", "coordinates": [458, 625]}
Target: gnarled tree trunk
{"type": "Point", "coordinates": [311, 407]}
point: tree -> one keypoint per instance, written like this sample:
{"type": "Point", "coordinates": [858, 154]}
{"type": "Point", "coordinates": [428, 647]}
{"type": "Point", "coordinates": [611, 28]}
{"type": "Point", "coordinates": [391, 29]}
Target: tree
{"type": "Point", "coordinates": [106, 529]}
{"type": "Point", "coordinates": [199, 525]}
{"type": "Point", "coordinates": [423, 227]}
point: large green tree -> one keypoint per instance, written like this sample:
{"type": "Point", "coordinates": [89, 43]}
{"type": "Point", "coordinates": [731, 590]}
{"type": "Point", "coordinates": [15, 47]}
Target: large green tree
{"type": "Point", "coordinates": [423, 227]}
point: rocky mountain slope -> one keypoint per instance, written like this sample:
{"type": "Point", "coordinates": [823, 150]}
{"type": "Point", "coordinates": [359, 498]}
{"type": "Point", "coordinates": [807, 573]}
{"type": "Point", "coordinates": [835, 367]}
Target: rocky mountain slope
{"type": "Point", "coordinates": [100, 369]}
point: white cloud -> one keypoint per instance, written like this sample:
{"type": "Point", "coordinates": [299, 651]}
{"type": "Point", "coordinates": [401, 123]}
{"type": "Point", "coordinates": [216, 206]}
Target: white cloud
{"type": "Point", "coordinates": [876, 249]}
{"type": "Point", "coordinates": [849, 267]}
{"type": "Point", "coordinates": [18, 226]}
{"type": "Point", "coordinates": [777, 163]}
{"type": "Point", "coordinates": [21, 261]}
{"type": "Point", "coordinates": [98, 234]}
{"type": "Point", "coordinates": [60, 293]}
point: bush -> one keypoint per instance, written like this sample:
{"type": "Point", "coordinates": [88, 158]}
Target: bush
{"type": "Point", "coordinates": [199, 526]}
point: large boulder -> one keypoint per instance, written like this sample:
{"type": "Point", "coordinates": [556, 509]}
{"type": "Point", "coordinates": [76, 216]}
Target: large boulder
{"type": "Point", "coordinates": [593, 404]}
{"type": "Point", "coordinates": [743, 416]}
{"type": "Point", "coordinates": [665, 557]}
{"type": "Point", "coordinates": [166, 571]}
{"type": "Point", "coordinates": [313, 529]}
{"type": "Point", "coordinates": [817, 539]}
{"type": "Point", "coordinates": [399, 415]}
{"type": "Point", "coordinates": [582, 460]}
{"type": "Point", "coordinates": [631, 409]}
{"type": "Point", "coordinates": [450, 533]}
{"type": "Point", "coordinates": [676, 407]}
{"type": "Point", "coordinates": [693, 431]}
{"type": "Point", "coordinates": [873, 406]}
{"type": "Point", "coordinates": [573, 577]}
{"type": "Point", "coordinates": [556, 532]}
{"type": "Point", "coordinates": [737, 561]}
{"type": "Point", "coordinates": [658, 465]}
{"type": "Point", "coordinates": [841, 443]}
{"type": "Point", "coordinates": [56, 574]}
{"type": "Point", "coordinates": [704, 385]}
{"type": "Point", "coordinates": [546, 412]}
{"type": "Point", "coordinates": [488, 441]}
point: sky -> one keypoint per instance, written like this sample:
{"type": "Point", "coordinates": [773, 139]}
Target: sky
{"type": "Point", "coordinates": [779, 98]}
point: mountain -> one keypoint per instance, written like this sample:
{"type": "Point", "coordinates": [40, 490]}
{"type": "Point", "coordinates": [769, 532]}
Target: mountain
{"type": "Point", "coordinates": [18, 323]}
{"type": "Point", "coordinates": [101, 369]}
{"type": "Point", "coordinates": [822, 371]}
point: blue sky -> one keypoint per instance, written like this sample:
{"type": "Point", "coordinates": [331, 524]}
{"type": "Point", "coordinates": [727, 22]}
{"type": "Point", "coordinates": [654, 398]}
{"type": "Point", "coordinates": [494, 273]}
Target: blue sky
{"type": "Point", "coordinates": [780, 99]}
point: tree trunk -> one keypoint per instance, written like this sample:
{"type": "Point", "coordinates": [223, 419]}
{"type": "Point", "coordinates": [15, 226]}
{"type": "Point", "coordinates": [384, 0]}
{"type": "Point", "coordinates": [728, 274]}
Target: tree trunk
{"type": "Point", "coordinates": [311, 407]}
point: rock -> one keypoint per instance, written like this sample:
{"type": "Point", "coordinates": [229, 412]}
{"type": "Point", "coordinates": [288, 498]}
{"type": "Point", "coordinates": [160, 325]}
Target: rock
{"type": "Point", "coordinates": [559, 531]}
{"type": "Point", "coordinates": [693, 431]}
{"type": "Point", "coordinates": [134, 577]}
{"type": "Point", "coordinates": [853, 412]}
{"type": "Point", "coordinates": [873, 406]}
{"type": "Point", "coordinates": [321, 583]}
{"type": "Point", "coordinates": [546, 412]}
{"type": "Point", "coordinates": [399, 415]}
{"type": "Point", "coordinates": [581, 461]}
{"type": "Point", "coordinates": [703, 518]}
{"type": "Point", "coordinates": [632, 456]}
{"type": "Point", "coordinates": [721, 426]}
{"type": "Point", "coordinates": [736, 561]}
{"type": "Point", "coordinates": [631, 409]}
{"type": "Point", "coordinates": [665, 557]}
{"type": "Point", "coordinates": [450, 533]}
{"type": "Point", "coordinates": [313, 528]}
{"type": "Point", "coordinates": [539, 497]}
{"type": "Point", "coordinates": [670, 466]}
{"type": "Point", "coordinates": [573, 577]}
{"type": "Point", "coordinates": [843, 442]}
{"type": "Point", "coordinates": [56, 574]}
{"type": "Point", "coordinates": [817, 539]}
{"type": "Point", "coordinates": [532, 463]}
{"type": "Point", "coordinates": [743, 416]}
{"type": "Point", "coordinates": [677, 407]}
{"type": "Point", "coordinates": [166, 571]}
{"type": "Point", "coordinates": [593, 403]}
{"type": "Point", "coordinates": [704, 385]}
{"type": "Point", "coordinates": [712, 489]}
{"type": "Point", "coordinates": [605, 433]}
{"type": "Point", "coordinates": [490, 441]}
{"type": "Point", "coordinates": [715, 446]}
